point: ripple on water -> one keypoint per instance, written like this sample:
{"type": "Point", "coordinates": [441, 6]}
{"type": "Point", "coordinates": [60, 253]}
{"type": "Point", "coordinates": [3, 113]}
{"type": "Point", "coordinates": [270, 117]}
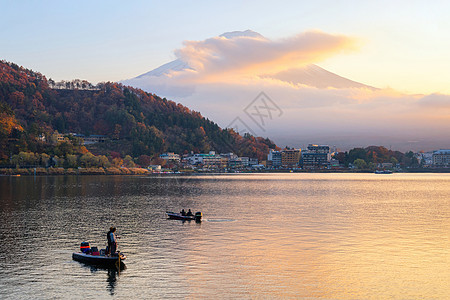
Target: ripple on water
{"type": "Point", "coordinates": [263, 236]}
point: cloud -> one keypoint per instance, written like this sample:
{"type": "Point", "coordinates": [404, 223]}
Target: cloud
{"type": "Point", "coordinates": [222, 58]}
{"type": "Point", "coordinates": [435, 101]}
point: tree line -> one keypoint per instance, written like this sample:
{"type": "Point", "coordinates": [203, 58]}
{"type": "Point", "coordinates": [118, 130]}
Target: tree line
{"type": "Point", "coordinates": [136, 123]}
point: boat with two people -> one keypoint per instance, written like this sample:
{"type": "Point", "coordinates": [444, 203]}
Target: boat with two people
{"type": "Point", "coordinates": [189, 216]}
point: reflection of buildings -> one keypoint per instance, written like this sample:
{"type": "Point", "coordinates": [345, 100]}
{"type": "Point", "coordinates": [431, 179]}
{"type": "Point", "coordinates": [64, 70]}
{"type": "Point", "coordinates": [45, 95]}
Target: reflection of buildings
{"type": "Point", "coordinates": [441, 158]}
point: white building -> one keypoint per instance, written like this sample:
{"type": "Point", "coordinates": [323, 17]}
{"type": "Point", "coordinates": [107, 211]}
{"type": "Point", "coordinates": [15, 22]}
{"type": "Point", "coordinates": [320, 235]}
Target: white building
{"type": "Point", "coordinates": [196, 159]}
{"type": "Point", "coordinates": [441, 158]}
{"type": "Point", "coordinates": [170, 156]}
{"type": "Point", "coordinates": [274, 157]}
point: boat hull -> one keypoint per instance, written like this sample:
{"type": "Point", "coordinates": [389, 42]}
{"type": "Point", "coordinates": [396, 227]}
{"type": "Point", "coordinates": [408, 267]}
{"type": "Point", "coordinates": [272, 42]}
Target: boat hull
{"type": "Point", "coordinates": [176, 216]}
{"type": "Point", "coordinates": [97, 260]}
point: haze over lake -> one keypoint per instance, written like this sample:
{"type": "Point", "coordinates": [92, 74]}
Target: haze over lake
{"type": "Point", "coordinates": [263, 236]}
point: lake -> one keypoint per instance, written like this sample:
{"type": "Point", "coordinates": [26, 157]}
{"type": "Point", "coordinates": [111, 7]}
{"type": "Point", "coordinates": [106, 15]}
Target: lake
{"type": "Point", "coordinates": [270, 236]}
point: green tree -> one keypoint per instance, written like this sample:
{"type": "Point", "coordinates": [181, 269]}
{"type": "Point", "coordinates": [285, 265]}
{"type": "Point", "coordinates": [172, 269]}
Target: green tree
{"type": "Point", "coordinates": [394, 161]}
{"type": "Point", "coordinates": [44, 159]}
{"type": "Point", "coordinates": [360, 163]}
{"type": "Point", "coordinates": [357, 153]}
{"type": "Point", "coordinates": [88, 160]}
{"type": "Point", "coordinates": [71, 161]}
{"type": "Point", "coordinates": [128, 162]}
{"type": "Point", "coordinates": [104, 161]}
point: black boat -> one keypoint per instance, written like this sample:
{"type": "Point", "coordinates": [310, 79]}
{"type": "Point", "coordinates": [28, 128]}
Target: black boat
{"type": "Point", "coordinates": [383, 172]}
{"type": "Point", "coordinates": [177, 216]}
{"type": "Point", "coordinates": [98, 258]}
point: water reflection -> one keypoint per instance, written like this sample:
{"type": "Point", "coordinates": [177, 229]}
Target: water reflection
{"type": "Point", "coordinates": [112, 280]}
{"type": "Point", "coordinates": [263, 236]}
{"type": "Point", "coordinates": [112, 274]}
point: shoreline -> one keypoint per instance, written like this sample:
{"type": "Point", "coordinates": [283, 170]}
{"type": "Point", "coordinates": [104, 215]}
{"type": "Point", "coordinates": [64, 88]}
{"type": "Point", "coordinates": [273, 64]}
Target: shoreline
{"type": "Point", "coordinates": [142, 171]}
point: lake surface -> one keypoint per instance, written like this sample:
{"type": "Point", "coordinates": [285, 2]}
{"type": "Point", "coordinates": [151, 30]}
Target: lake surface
{"type": "Point", "coordinates": [270, 236]}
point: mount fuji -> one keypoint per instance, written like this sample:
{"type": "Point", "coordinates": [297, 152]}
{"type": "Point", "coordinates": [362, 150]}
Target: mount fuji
{"type": "Point", "coordinates": [224, 76]}
{"type": "Point", "coordinates": [309, 75]}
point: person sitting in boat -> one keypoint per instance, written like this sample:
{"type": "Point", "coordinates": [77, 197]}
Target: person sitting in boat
{"type": "Point", "coordinates": [189, 213]}
{"type": "Point", "coordinates": [183, 213]}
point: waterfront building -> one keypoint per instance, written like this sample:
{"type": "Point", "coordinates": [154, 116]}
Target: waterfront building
{"type": "Point", "coordinates": [230, 155]}
{"type": "Point", "coordinates": [215, 162]}
{"type": "Point", "coordinates": [197, 159]}
{"type": "Point", "coordinates": [441, 158]}
{"type": "Point", "coordinates": [252, 162]}
{"type": "Point", "coordinates": [156, 168]}
{"type": "Point", "coordinates": [274, 159]}
{"type": "Point", "coordinates": [385, 165]}
{"type": "Point", "coordinates": [316, 157]}
{"type": "Point", "coordinates": [290, 158]}
{"type": "Point", "coordinates": [170, 156]}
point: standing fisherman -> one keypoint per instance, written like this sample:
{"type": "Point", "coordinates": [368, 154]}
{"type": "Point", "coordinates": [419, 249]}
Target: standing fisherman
{"type": "Point", "coordinates": [112, 241]}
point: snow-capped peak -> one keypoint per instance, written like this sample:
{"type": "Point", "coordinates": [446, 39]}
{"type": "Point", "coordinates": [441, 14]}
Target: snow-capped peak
{"type": "Point", "coordinates": [246, 33]}
{"type": "Point", "coordinates": [175, 65]}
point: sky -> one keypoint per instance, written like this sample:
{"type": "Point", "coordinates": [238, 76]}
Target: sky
{"type": "Point", "coordinates": [400, 48]}
{"type": "Point", "coordinates": [402, 45]}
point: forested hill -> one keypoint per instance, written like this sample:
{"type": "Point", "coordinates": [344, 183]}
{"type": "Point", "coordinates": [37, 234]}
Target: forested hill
{"type": "Point", "coordinates": [135, 122]}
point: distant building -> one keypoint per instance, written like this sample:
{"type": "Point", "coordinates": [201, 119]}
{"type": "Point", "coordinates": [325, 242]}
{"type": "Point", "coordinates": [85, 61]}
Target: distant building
{"type": "Point", "coordinates": [93, 139]}
{"type": "Point", "coordinates": [170, 156]}
{"type": "Point", "coordinates": [230, 155]}
{"type": "Point", "coordinates": [197, 159]}
{"type": "Point", "coordinates": [385, 165]}
{"type": "Point", "coordinates": [441, 159]}
{"type": "Point", "coordinates": [290, 158]}
{"type": "Point", "coordinates": [274, 159]}
{"type": "Point", "coordinates": [425, 159]}
{"type": "Point", "coordinates": [335, 164]}
{"type": "Point", "coordinates": [316, 157]}
{"type": "Point", "coordinates": [60, 137]}
{"type": "Point", "coordinates": [252, 162]}
{"type": "Point", "coordinates": [214, 161]}
{"type": "Point", "coordinates": [156, 168]}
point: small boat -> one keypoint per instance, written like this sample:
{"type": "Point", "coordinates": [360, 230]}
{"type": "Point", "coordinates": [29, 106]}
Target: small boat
{"type": "Point", "coordinates": [98, 258]}
{"type": "Point", "coordinates": [177, 216]}
{"type": "Point", "coordinates": [383, 172]}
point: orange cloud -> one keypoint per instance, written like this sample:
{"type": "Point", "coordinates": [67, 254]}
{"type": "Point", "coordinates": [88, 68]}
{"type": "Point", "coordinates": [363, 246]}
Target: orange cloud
{"type": "Point", "coordinates": [224, 59]}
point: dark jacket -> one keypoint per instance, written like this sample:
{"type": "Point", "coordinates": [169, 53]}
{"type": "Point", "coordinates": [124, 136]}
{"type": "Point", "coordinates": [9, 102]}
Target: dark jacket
{"type": "Point", "coordinates": [108, 236]}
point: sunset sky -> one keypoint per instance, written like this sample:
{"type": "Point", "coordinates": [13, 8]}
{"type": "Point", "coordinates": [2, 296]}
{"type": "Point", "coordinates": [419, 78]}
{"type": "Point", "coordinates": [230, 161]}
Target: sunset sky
{"type": "Point", "coordinates": [396, 52]}
{"type": "Point", "coordinates": [403, 45]}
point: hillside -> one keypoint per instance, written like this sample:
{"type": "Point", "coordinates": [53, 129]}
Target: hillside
{"type": "Point", "coordinates": [135, 122]}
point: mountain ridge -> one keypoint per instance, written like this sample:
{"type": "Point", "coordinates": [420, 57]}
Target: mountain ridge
{"type": "Point", "coordinates": [135, 122]}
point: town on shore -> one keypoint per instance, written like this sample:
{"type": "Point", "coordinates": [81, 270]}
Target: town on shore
{"type": "Point", "coordinates": [315, 158]}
